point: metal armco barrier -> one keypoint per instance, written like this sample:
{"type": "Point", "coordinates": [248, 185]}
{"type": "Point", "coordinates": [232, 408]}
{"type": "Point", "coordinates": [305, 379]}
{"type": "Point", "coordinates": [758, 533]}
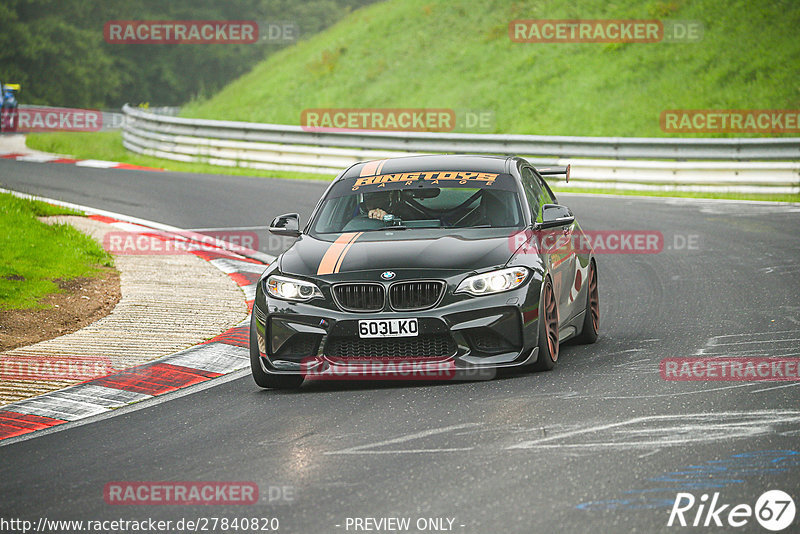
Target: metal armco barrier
{"type": "Point", "coordinates": [751, 164]}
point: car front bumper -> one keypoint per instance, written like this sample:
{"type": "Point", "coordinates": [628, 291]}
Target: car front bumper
{"type": "Point", "coordinates": [486, 332]}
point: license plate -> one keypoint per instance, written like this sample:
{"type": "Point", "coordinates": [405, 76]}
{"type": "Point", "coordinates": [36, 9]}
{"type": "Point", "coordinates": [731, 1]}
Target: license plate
{"type": "Point", "coordinates": [387, 328]}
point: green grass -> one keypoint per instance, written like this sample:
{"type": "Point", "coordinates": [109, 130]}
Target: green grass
{"type": "Point", "coordinates": [438, 53]}
{"type": "Point", "coordinates": [43, 209]}
{"type": "Point", "coordinates": [34, 254]}
{"type": "Point", "coordinates": [444, 54]}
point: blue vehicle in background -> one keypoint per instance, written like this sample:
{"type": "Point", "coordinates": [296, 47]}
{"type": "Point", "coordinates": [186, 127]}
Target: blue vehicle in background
{"type": "Point", "coordinates": [9, 111]}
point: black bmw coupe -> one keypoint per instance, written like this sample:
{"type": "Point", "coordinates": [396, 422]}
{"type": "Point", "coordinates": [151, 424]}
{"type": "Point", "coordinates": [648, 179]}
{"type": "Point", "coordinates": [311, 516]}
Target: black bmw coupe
{"type": "Point", "coordinates": [462, 261]}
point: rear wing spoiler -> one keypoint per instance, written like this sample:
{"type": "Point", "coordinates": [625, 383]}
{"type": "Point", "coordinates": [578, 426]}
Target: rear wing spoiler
{"type": "Point", "coordinates": [554, 171]}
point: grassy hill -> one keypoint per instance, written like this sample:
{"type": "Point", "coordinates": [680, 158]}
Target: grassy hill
{"type": "Point", "coordinates": [445, 54]}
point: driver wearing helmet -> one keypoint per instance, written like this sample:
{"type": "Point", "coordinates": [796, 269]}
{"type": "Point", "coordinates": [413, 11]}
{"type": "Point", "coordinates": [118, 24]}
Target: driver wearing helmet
{"type": "Point", "coordinates": [378, 205]}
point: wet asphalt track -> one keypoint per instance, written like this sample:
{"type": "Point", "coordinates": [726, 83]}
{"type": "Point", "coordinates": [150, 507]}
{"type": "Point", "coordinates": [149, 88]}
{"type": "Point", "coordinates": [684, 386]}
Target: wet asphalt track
{"type": "Point", "coordinates": [602, 442]}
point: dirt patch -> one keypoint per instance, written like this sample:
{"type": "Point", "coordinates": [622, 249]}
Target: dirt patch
{"type": "Point", "coordinates": [83, 301]}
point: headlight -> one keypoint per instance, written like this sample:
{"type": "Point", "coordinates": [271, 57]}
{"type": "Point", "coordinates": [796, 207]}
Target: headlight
{"type": "Point", "coordinates": [290, 289]}
{"type": "Point", "coordinates": [494, 281]}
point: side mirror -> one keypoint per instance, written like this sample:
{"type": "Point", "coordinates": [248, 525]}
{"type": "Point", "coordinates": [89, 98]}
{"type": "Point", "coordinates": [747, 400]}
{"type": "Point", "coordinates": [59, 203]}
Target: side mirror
{"type": "Point", "coordinates": [555, 215]}
{"type": "Point", "coordinates": [286, 225]}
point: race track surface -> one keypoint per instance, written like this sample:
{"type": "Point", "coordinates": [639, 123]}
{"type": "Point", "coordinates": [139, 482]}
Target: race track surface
{"type": "Point", "coordinates": [602, 442]}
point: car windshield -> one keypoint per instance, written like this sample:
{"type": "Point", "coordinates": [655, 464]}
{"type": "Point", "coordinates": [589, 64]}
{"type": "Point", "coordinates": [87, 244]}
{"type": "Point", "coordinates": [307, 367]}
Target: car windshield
{"type": "Point", "coordinates": [445, 199]}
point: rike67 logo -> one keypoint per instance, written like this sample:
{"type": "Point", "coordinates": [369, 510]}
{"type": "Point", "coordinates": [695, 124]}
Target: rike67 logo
{"type": "Point", "coordinates": [774, 510]}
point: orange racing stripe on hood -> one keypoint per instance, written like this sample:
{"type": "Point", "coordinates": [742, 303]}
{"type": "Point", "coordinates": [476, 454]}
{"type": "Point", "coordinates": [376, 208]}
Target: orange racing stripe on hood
{"type": "Point", "coordinates": [332, 260]}
{"type": "Point", "coordinates": [344, 253]}
{"type": "Point", "coordinates": [371, 168]}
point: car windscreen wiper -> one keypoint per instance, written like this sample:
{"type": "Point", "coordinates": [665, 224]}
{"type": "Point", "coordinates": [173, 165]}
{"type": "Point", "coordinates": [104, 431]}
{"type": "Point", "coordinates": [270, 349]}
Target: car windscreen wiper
{"type": "Point", "coordinates": [385, 228]}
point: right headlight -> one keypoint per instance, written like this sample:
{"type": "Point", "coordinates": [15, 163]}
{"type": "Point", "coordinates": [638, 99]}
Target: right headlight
{"type": "Point", "coordinates": [285, 288]}
{"type": "Point", "coordinates": [493, 281]}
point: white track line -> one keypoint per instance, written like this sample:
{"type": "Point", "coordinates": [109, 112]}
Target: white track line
{"type": "Point", "coordinates": [136, 406]}
{"type": "Point", "coordinates": [361, 449]}
{"type": "Point", "coordinates": [228, 228]}
{"type": "Point", "coordinates": [776, 387]}
{"type": "Point", "coordinates": [681, 199]}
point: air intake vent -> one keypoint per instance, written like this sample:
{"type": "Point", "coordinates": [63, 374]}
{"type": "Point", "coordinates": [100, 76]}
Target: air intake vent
{"type": "Point", "coordinates": [422, 346]}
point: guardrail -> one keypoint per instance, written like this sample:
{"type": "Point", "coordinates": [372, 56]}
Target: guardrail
{"type": "Point", "coordinates": [282, 147]}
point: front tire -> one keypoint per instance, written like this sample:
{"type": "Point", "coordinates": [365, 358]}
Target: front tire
{"type": "Point", "coordinates": [548, 329]}
{"type": "Point", "coordinates": [261, 377]}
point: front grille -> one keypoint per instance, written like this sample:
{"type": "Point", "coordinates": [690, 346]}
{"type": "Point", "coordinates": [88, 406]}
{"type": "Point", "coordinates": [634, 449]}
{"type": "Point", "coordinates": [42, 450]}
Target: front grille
{"type": "Point", "coordinates": [407, 296]}
{"type": "Point", "coordinates": [362, 297]}
{"type": "Point", "coordinates": [422, 346]}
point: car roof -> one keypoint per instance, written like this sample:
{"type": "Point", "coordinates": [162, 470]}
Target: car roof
{"type": "Point", "coordinates": [473, 163]}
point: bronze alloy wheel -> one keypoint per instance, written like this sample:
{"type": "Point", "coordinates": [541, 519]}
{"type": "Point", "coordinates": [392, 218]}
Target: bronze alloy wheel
{"type": "Point", "coordinates": [591, 316]}
{"type": "Point", "coordinates": [594, 299]}
{"type": "Point", "coordinates": [551, 321]}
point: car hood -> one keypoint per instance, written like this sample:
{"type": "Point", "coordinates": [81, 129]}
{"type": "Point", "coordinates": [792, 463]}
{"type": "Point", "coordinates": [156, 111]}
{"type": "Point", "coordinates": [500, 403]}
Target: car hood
{"type": "Point", "coordinates": [362, 251]}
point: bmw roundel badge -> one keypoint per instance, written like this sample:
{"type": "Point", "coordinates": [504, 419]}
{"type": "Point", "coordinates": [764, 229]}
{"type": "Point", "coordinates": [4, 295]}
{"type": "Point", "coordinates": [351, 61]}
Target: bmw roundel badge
{"type": "Point", "coordinates": [387, 275]}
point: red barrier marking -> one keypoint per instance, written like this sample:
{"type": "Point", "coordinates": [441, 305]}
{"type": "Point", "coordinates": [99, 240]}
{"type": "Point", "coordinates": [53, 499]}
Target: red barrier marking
{"type": "Point", "coordinates": [15, 424]}
{"type": "Point", "coordinates": [156, 378]}
{"type": "Point", "coordinates": [126, 166]}
{"type": "Point", "coordinates": [209, 255]}
{"type": "Point", "coordinates": [132, 167]}
{"type": "Point", "coordinates": [238, 336]}
{"type": "Point", "coordinates": [103, 218]}
{"type": "Point", "coordinates": [245, 279]}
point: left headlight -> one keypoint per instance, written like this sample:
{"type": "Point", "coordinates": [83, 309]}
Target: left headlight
{"type": "Point", "coordinates": [494, 281]}
{"type": "Point", "coordinates": [285, 288]}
